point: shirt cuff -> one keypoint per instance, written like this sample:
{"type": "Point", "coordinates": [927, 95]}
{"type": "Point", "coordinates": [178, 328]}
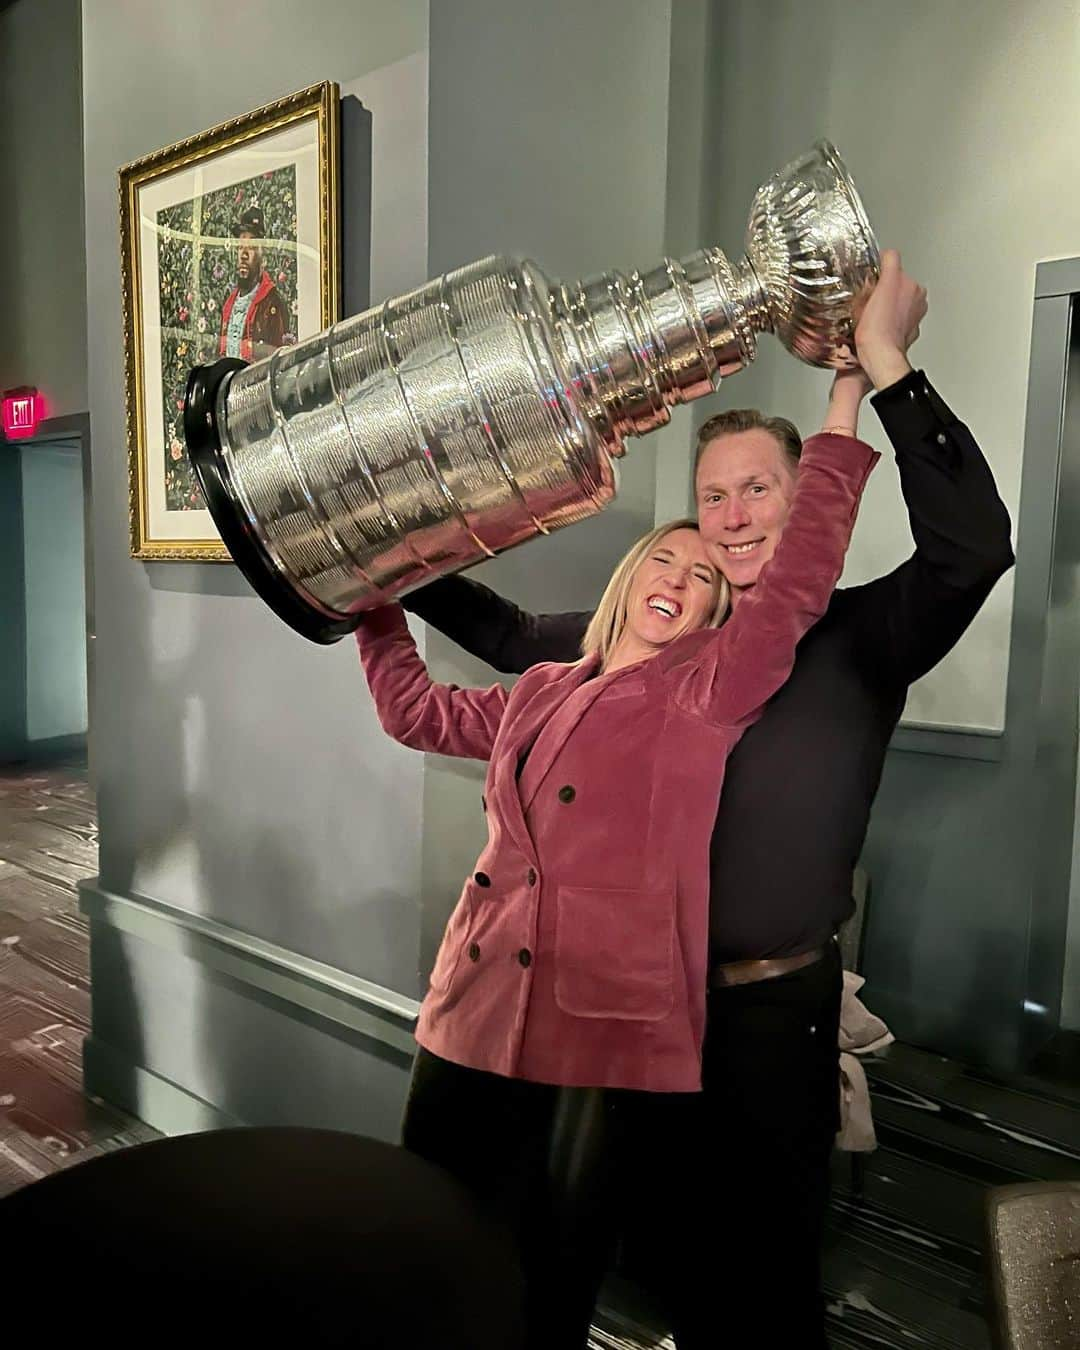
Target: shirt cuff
{"type": "Point", "coordinates": [911, 409]}
{"type": "Point", "coordinates": [429, 598]}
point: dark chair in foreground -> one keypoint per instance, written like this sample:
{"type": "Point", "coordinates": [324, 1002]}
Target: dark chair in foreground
{"type": "Point", "coordinates": [260, 1237]}
{"type": "Point", "coordinates": [1034, 1241]}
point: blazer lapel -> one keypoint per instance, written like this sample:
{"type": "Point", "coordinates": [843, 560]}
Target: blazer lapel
{"type": "Point", "coordinates": [519, 737]}
{"type": "Point", "coordinates": [556, 726]}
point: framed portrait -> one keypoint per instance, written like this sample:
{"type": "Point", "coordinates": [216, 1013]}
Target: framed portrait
{"type": "Point", "coordinates": [229, 246]}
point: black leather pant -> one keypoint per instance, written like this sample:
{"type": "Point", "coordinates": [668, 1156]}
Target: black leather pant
{"type": "Point", "coordinates": [719, 1196]}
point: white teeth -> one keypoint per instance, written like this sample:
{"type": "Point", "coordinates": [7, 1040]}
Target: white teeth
{"type": "Point", "coordinates": [742, 548]}
{"type": "Point", "coordinates": [664, 606]}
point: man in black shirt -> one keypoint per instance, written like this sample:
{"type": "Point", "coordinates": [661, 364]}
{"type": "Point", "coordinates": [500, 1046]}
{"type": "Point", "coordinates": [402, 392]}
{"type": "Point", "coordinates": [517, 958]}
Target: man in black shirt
{"type": "Point", "coordinates": [747, 1161]}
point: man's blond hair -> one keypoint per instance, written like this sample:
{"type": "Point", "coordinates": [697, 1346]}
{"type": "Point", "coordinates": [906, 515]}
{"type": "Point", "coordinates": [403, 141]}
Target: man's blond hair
{"type": "Point", "coordinates": [735, 420]}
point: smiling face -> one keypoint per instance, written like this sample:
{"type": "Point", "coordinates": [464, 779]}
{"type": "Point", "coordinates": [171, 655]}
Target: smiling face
{"type": "Point", "coordinates": [744, 487]}
{"type": "Point", "coordinates": [673, 591]}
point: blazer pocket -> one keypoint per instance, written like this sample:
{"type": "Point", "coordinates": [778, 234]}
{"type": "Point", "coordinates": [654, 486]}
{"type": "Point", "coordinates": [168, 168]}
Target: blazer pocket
{"type": "Point", "coordinates": [615, 953]}
{"type": "Point", "coordinates": [455, 940]}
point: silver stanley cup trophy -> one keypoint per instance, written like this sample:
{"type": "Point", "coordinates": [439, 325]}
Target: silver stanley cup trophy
{"type": "Point", "coordinates": [492, 404]}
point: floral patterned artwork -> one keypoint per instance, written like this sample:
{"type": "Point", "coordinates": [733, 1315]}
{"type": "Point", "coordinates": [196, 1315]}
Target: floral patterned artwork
{"type": "Point", "coordinates": [198, 272]}
{"type": "Point", "coordinates": [229, 247]}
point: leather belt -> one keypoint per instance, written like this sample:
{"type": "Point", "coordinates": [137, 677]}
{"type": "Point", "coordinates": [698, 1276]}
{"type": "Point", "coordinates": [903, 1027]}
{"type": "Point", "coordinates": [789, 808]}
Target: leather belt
{"type": "Point", "coordinates": [749, 972]}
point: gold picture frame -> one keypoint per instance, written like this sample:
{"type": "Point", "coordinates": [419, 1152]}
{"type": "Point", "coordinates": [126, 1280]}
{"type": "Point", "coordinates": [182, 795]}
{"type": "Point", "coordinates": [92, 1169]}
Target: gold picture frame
{"type": "Point", "coordinates": [193, 288]}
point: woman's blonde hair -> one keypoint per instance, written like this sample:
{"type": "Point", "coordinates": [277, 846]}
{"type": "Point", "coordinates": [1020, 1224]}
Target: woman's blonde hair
{"type": "Point", "coordinates": [607, 624]}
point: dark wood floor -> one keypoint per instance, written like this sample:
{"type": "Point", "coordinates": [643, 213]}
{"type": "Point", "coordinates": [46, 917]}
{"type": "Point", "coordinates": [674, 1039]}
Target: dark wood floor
{"type": "Point", "coordinates": [48, 842]}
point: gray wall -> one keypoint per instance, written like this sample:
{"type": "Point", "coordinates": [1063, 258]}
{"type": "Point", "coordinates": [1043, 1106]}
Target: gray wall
{"type": "Point", "coordinates": [951, 177]}
{"type": "Point", "coordinates": [12, 609]}
{"type": "Point", "coordinates": [52, 519]}
{"type": "Point", "coordinates": [42, 599]}
{"type": "Point", "coordinates": [241, 774]}
{"type": "Point", "coordinates": [42, 261]}
{"type": "Point", "coordinates": [239, 771]}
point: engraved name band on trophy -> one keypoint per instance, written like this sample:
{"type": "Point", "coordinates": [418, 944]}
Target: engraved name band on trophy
{"type": "Point", "coordinates": [491, 404]}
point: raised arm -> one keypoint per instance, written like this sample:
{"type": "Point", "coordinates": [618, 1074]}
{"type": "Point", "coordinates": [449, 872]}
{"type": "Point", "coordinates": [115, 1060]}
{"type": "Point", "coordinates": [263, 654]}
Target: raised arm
{"type": "Point", "coordinates": [733, 671]}
{"type": "Point", "coordinates": [915, 614]}
{"type": "Point", "coordinates": [498, 632]}
{"type": "Point", "coordinates": [439, 718]}
{"type": "Point", "coordinates": [918, 612]}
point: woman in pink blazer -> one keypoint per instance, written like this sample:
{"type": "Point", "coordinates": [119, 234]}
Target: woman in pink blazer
{"type": "Point", "coordinates": [576, 957]}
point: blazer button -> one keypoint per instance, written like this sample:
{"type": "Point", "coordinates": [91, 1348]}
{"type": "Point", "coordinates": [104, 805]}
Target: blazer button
{"type": "Point", "coordinates": [525, 956]}
{"type": "Point", "coordinates": [567, 793]}
{"type": "Point", "coordinates": [474, 951]}
{"type": "Point", "coordinates": [532, 876]}
{"type": "Point", "coordinates": [482, 879]}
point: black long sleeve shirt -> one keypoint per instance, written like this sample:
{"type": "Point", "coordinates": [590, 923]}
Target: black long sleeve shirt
{"type": "Point", "coordinates": [800, 784]}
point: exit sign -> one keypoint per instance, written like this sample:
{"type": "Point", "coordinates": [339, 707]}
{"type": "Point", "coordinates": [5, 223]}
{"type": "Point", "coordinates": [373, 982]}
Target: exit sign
{"type": "Point", "coordinates": [23, 409]}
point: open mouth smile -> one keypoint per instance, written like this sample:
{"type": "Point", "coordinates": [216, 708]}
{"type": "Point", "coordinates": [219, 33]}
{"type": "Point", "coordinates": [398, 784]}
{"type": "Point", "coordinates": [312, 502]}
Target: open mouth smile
{"type": "Point", "coordinates": [670, 609]}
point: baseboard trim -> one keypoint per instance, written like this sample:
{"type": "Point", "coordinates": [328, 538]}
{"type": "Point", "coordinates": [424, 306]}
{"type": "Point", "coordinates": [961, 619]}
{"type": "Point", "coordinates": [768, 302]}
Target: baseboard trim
{"type": "Point", "coordinates": [952, 742]}
{"type": "Point", "coordinates": [57, 747]}
{"type": "Point", "coordinates": [160, 1103]}
{"type": "Point", "coordinates": [340, 998]}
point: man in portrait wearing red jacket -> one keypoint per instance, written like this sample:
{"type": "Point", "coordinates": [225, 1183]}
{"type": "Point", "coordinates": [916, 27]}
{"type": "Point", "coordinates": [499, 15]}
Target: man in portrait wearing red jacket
{"type": "Point", "coordinates": [253, 317]}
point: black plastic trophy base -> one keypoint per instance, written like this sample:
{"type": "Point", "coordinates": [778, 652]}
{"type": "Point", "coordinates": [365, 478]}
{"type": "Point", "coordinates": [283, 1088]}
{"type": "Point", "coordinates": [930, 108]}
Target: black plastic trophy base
{"type": "Point", "coordinates": [204, 451]}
